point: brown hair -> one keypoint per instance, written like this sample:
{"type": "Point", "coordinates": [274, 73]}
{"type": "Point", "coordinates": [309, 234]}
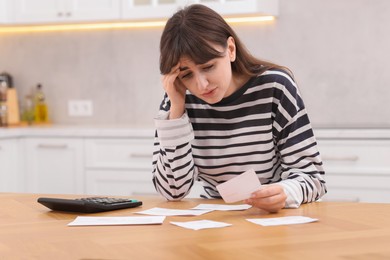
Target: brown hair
{"type": "Point", "coordinates": [191, 31]}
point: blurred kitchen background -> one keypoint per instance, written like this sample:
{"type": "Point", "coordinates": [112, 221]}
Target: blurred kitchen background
{"type": "Point", "coordinates": [337, 50]}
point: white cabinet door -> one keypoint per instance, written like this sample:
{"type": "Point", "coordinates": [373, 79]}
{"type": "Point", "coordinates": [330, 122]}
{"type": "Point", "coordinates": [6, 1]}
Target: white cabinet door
{"type": "Point", "coordinates": [119, 166]}
{"type": "Point", "coordinates": [148, 9]}
{"type": "Point", "coordinates": [128, 182]}
{"type": "Point", "coordinates": [243, 7]}
{"type": "Point", "coordinates": [356, 170]}
{"type": "Point", "coordinates": [119, 153]}
{"type": "Point", "coordinates": [54, 165]}
{"type": "Point", "coordinates": [93, 10]}
{"type": "Point", "coordinates": [158, 9]}
{"type": "Point", "coordinates": [44, 11]}
{"type": "Point", "coordinates": [3, 12]}
{"type": "Point", "coordinates": [11, 176]}
{"type": "Point", "coordinates": [36, 11]}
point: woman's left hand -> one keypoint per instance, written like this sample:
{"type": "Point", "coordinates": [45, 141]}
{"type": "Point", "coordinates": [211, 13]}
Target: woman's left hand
{"type": "Point", "coordinates": [271, 198]}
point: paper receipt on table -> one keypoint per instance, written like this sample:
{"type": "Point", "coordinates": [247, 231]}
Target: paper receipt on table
{"type": "Point", "coordinates": [240, 187]}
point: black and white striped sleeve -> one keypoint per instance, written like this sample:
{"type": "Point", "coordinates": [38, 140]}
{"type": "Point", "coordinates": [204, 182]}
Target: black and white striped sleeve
{"type": "Point", "coordinates": [174, 172]}
{"type": "Point", "coordinates": [302, 170]}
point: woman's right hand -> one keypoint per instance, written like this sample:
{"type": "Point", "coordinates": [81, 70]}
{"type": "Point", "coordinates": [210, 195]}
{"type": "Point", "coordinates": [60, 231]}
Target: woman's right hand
{"type": "Point", "coordinates": [176, 92]}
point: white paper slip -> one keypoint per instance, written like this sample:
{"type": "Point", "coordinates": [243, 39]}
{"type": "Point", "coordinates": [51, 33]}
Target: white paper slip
{"type": "Point", "coordinates": [108, 221]}
{"type": "Point", "coordinates": [173, 212]}
{"type": "Point", "coordinates": [290, 220]}
{"type": "Point", "coordinates": [201, 224]}
{"type": "Point", "coordinates": [240, 187]}
{"type": "Point", "coordinates": [223, 207]}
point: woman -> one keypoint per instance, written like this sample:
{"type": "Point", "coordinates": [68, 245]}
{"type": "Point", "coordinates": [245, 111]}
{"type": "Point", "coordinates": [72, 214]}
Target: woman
{"type": "Point", "coordinates": [225, 112]}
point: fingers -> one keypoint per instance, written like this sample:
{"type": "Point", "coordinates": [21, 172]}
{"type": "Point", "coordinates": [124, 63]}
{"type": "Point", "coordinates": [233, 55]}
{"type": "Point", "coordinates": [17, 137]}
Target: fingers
{"type": "Point", "coordinates": [176, 92]}
{"type": "Point", "coordinates": [271, 205]}
{"type": "Point", "coordinates": [169, 79]}
{"type": "Point", "coordinates": [267, 191]}
{"type": "Point", "coordinates": [270, 198]}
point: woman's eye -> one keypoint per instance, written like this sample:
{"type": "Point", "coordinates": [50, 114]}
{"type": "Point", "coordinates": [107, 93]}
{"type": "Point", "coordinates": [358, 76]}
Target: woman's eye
{"type": "Point", "coordinates": [208, 67]}
{"type": "Point", "coordinates": [186, 76]}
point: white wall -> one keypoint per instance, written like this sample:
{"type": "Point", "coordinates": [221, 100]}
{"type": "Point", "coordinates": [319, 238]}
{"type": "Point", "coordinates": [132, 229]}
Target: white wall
{"type": "Point", "coordinates": [337, 50]}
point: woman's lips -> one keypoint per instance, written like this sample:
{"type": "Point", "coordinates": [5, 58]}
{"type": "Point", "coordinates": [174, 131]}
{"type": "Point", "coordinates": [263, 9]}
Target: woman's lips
{"type": "Point", "coordinates": [209, 93]}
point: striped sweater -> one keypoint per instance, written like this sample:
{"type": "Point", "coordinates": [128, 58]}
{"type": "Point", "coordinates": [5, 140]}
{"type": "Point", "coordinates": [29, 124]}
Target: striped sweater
{"type": "Point", "coordinates": [262, 126]}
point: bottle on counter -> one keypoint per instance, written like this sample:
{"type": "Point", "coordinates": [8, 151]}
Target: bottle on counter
{"type": "Point", "coordinates": [40, 106]}
{"type": "Point", "coordinates": [28, 110]}
{"type": "Point", "coordinates": [3, 104]}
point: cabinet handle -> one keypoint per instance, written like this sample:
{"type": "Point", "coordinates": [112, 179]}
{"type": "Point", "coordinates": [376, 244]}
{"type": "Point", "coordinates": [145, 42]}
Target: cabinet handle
{"type": "Point", "coordinates": [67, 14]}
{"type": "Point", "coordinates": [352, 158]}
{"type": "Point", "coordinates": [60, 14]}
{"type": "Point", "coordinates": [139, 155]}
{"type": "Point", "coordinates": [52, 146]}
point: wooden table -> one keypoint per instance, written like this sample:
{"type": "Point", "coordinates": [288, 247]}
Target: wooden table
{"type": "Point", "coordinates": [28, 230]}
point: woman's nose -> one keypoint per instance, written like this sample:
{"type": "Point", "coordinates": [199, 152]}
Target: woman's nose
{"type": "Point", "coordinates": [202, 82]}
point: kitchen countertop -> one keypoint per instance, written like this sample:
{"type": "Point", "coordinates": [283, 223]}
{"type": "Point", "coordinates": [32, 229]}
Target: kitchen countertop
{"type": "Point", "coordinates": [143, 132]}
{"type": "Point", "coordinates": [352, 133]}
{"type": "Point", "coordinates": [76, 131]}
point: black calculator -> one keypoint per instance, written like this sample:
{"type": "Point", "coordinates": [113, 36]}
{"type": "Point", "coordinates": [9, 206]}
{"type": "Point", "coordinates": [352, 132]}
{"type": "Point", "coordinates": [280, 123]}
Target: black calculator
{"type": "Point", "coordinates": [90, 204]}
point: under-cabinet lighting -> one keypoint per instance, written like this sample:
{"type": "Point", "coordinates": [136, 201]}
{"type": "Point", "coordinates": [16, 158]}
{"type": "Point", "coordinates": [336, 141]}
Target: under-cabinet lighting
{"type": "Point", "coordinates": [249, 19]}
{"type": "Point", "coordinates": [115, 25]}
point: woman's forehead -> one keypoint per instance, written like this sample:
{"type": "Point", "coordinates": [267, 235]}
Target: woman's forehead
{"type": "Point", "coordinates": [186, 60]}
{"type": "Point", "coordinates": [194, 59]}
{"type": "Point", "coordinates": [186, 63]}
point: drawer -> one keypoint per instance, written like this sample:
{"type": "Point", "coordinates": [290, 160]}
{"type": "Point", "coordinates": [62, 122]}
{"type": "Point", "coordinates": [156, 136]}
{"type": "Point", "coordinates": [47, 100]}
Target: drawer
{"type": "Point", "coordinates": [119, 153]}
{"type": "Point", "coordinates": [358, 188]}
{"type": "Point", "coordinates": [356, 156]}
{"type": "Point", "coordinates": [119, 182]}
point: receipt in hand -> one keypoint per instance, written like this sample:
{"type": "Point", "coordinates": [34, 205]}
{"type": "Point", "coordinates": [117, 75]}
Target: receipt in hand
{"type": "Point", "coordinates": [240, 187]}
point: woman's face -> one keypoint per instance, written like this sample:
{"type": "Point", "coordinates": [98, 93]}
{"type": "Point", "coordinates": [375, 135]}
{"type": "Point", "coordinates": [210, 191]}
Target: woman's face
{"type": "Point", "coordinates": [211, 81]}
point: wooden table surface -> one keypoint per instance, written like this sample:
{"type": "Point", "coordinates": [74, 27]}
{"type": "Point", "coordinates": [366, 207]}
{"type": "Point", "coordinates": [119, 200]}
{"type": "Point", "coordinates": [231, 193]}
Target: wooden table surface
{"type": "Point", "coordinates": [28, 230]}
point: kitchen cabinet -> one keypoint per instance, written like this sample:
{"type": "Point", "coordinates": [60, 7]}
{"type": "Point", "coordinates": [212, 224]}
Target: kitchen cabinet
{"type": "Point", "coordinates": [148, 9]}
{"type": "Point", "coordinates": [158, 9]}
{"type": "Point", "coordinates": [119, 182]}
{"type": "Point", "coordinates": [119, 166]}
{"type": "Point", "coordinates": [3, 12]}
{"type": "Point", "coordinates": [119, 162]}
{"type": "Point", "coordinates": [77, 161]}
{"type": "Point", "coordinates": [11, 157]}
{"type": "Point", "coordinates": [122, 167]}
{"type": "Point", "coordinates": [54, 165]}
{"type": "Point", "coordinates": [357, 168]}
{"type": "Point", "coordinates": [63, 11]}
{"type": "Point", "coordinates": [73, 11]}
{"type": "Point", "coordinates": [243, 7]}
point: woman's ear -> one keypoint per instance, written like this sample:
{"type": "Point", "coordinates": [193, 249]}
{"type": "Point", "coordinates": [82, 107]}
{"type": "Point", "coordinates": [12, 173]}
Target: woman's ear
{"type": "Point", "coordinates": [231, 47]}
